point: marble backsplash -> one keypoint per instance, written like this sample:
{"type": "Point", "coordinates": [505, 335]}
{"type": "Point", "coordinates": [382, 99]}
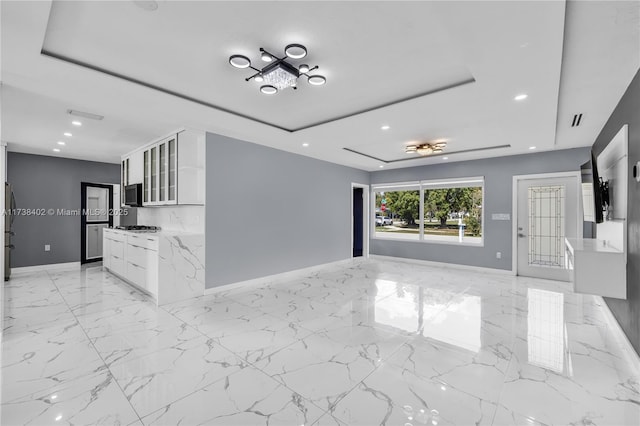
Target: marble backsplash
{"type": "Point", "coordinates": [173, 218]}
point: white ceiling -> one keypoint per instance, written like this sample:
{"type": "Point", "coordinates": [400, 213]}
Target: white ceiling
{"type": "Point", "coordinates": [372, 53]}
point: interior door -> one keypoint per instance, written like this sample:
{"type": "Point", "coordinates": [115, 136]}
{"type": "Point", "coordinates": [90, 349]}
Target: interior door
{"type": "Point", "coordinates": [96, 214]}
{"type": "Point", "coordinates": [547, 213]}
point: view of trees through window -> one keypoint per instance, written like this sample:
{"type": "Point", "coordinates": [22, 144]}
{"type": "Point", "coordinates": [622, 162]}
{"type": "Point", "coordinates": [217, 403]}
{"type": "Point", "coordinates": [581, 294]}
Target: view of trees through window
{"type": "Point", "coordinates": [450, 213]}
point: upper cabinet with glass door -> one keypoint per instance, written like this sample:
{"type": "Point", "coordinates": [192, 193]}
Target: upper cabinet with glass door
{"type": "Point", "coordinates": [174, 170]}
{"type": "Point", "coordinates": [159, 183]}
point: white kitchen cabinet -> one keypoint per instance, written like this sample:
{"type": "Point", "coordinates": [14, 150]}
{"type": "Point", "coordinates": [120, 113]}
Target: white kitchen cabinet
{"type": "Point", "coordinates": [191, 167]}
{"type": "Point", "coordinates": [160, 173]}
{"type": "Point", "coordinates": [106, 250]}
{"type": "Point", "coordinates": [133, 257]}
{"type": "Point", "coordinates": [167, 267]}
{"type": "Point", "coordinates": [173, 170]}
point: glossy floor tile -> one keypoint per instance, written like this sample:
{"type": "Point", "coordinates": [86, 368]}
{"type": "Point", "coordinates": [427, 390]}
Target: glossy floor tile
{"type": "Point", "coordinates": [374, 343]}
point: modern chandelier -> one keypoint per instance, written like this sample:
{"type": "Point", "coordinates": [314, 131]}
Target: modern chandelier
{"type": "Point", "coordinates": [279, 73]}
{"type": "Point", "coordinates": [425, 148]}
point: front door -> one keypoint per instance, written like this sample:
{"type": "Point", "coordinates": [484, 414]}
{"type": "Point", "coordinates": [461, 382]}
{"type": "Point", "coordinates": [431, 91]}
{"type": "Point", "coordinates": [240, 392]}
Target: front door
{"type": "Point", "coordinates": [97, 205]}
{"type": "Point", "coordinates": [547, 213]}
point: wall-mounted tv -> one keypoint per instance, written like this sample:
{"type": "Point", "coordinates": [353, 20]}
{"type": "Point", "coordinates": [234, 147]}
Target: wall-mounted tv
{"type": "Point", "coordinates": [592, 192]}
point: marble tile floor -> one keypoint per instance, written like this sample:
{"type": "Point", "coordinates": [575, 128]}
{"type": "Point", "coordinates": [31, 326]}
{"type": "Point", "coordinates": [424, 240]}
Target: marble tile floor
{"type": "Point", "coordinates": [372, 343]}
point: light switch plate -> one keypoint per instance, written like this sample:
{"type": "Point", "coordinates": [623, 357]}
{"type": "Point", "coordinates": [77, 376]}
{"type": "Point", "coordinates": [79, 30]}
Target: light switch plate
{"type": "Point", "coordinates": [47, 247]}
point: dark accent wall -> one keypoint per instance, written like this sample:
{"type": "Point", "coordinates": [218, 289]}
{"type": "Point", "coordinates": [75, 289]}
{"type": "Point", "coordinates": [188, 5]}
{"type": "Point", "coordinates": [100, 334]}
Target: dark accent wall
{"type": "Point", "coordinates": [42, 182]}
{"type": "Point", "coordinates": [627, 312]}
{"type": "Point", "coordinates": [498, 182]}
{"type": "Point", "coordinates": [270, 211]}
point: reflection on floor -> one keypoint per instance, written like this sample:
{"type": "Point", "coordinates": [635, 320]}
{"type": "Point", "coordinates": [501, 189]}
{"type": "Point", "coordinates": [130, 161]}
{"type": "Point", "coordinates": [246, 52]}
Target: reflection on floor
{"type": "Point", "coordinates": [375, 343]}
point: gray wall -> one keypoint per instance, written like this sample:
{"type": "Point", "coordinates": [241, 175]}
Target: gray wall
{"type": "Point", "coordinates": [50, 182]}
{"type": "Point", "coordinates": [270, 211]}
{"type": "Point", "coordinates": [498, 180]}
{"type": "Point", "coordinates": [627, 312]}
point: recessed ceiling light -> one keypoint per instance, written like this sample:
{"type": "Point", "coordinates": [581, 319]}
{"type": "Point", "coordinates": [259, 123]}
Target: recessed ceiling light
{"type": "Point", "coordinates": [76, 123]}
{"type": "Point", "coordinates": [56, 150]}
{"type": "Point", "coordinates": [239, 61]}
{"type": "Point", "coordinates": [305, 144]}
{"type": "Point", "coordinates": [259, 78]}
{"type": "Point", "coordinates": [67, 134]}
{"type": "Point", "coordinates": [317, 80]}
{"type": "Point", "coordinates": [61, 143]}
{"type": "Point", "coordinates": [532, 147]}
{"type": "Point", "coordinates": [268, 90]}
{"type": "Point", "coordinates": [304, 68]}
{"type": "Point", "coordinates": [266, 57]}
{"type": "Point", "coordinates": [521, 97]}
{"type": "Point", "coordinates": [445, 158]}
{"type": "Point", "coordinates": [385, 127]}
{"type": "Point", "coordinates": [381, 166]}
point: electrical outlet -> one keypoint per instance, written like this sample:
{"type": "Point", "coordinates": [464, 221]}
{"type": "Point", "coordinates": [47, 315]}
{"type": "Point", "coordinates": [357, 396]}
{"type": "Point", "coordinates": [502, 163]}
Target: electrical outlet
{"type": "Point", "coordinates": [47, 247]}
{"type": "Point", "coordinates": [498, 255]}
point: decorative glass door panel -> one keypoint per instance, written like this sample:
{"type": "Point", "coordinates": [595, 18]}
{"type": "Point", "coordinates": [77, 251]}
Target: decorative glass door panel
{"type": "Point", "coordinates": [546, 225]}
{"type": "Point", "coordinates": [154, 174]}
{"type": "Point", "coordinates": [163, 171]}
{"type": "Point", "coordinates": [173, 162]}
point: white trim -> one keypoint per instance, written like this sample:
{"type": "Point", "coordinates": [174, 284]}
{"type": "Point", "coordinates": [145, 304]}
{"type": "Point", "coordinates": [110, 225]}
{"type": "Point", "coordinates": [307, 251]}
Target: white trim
{"type": "Point", "coordinates": [365, 218]}
{"type": "Point", "coordinates": [429, 241]}
{"type": "Point", "coordinates": [35, 268]}
{"type": "Point", "coordinates": [284, 276]}
{"type": "Point", "coordinates": [443, 265]}
{"type": "Point", "coordinates": [514, 207]}
{"type": "Point", "coordinates": [618, 333]}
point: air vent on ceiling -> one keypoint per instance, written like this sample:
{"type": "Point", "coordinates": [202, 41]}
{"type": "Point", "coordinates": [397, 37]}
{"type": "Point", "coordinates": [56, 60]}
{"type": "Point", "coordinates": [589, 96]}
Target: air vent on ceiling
{"type": "Point", "coordinates": [85, 114]}
{"type": "Point", "coordinates": [576, 120]}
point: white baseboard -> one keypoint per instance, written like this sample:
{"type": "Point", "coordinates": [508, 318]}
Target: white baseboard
{"type": "Point", "coordinates": [619, 334]}
{"type": "Point", "coordinates": [443, 265]}
{"type": "Point", "coordinates": [296, 273]}
{"type": "Point", "coordinates": [54, 266]}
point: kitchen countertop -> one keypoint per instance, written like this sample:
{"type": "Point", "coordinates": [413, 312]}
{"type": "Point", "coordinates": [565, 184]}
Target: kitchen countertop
{"type": "Point", "coordinates": [592, 245]}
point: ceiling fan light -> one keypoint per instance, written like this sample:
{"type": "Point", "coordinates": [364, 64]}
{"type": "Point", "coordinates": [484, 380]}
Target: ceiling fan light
{"type": "Point", "coordinates": [317, 80]}
{"type": "Point", "coordinates": [268, 90]}
{"type": "Point", "coordinates": [295, 51]}
{"type": "Point", "coordinates": [303, 68]}
{"type": "Point", "coordinates": [239, 61]}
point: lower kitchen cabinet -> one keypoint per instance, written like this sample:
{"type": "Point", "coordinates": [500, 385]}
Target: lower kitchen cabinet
{"type": "Point", "coordinates": [167, 267]}
{"type": "Point", "coordinates": [132, 257]}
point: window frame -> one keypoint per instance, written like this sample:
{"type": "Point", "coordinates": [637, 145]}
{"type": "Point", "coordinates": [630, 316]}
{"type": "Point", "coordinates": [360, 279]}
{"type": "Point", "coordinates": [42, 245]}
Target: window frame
{"type": "Point", "coordinates": [421, 185]}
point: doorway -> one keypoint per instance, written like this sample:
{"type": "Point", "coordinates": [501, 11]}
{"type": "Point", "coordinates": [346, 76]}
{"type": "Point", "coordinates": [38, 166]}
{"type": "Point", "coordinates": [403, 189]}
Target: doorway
{"type": "Point", "coordinates": [359, 220]}
{"type": "Point", "coordinates": [95, 215]}
{"type": "Point", "coordinates": [546, 212]}
{"type": "Point", "coordinates": [358, 226]}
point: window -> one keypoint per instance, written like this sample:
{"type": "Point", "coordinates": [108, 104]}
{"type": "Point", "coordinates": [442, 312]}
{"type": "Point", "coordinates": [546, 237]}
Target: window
{"type": "Point", "coordinates": [397, 211]}
{"type": "Point", "coordinates": [447, 211]}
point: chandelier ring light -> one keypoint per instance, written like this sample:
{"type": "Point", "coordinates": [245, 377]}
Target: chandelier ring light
{"type": "Point", "coordinates": [279, 74]}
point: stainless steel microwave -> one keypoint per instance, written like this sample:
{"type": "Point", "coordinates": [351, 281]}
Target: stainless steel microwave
{"type": "Point", "coordinates": [133, 195]}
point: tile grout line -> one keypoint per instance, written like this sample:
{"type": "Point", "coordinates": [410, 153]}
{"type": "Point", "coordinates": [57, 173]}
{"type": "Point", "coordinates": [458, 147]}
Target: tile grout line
{"type": "Point", "coordinates": [95, 349]}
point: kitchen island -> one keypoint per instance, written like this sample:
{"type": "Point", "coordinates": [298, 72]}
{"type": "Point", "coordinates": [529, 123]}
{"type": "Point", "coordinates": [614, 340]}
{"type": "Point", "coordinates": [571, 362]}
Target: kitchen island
{"type": "Point", "coordinates": [169, 266]}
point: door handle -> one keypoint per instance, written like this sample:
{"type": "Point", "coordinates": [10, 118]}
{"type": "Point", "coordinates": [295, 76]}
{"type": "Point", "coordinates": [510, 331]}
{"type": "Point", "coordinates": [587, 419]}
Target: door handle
{"type": "Point", "coordinates": [520, 235]}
